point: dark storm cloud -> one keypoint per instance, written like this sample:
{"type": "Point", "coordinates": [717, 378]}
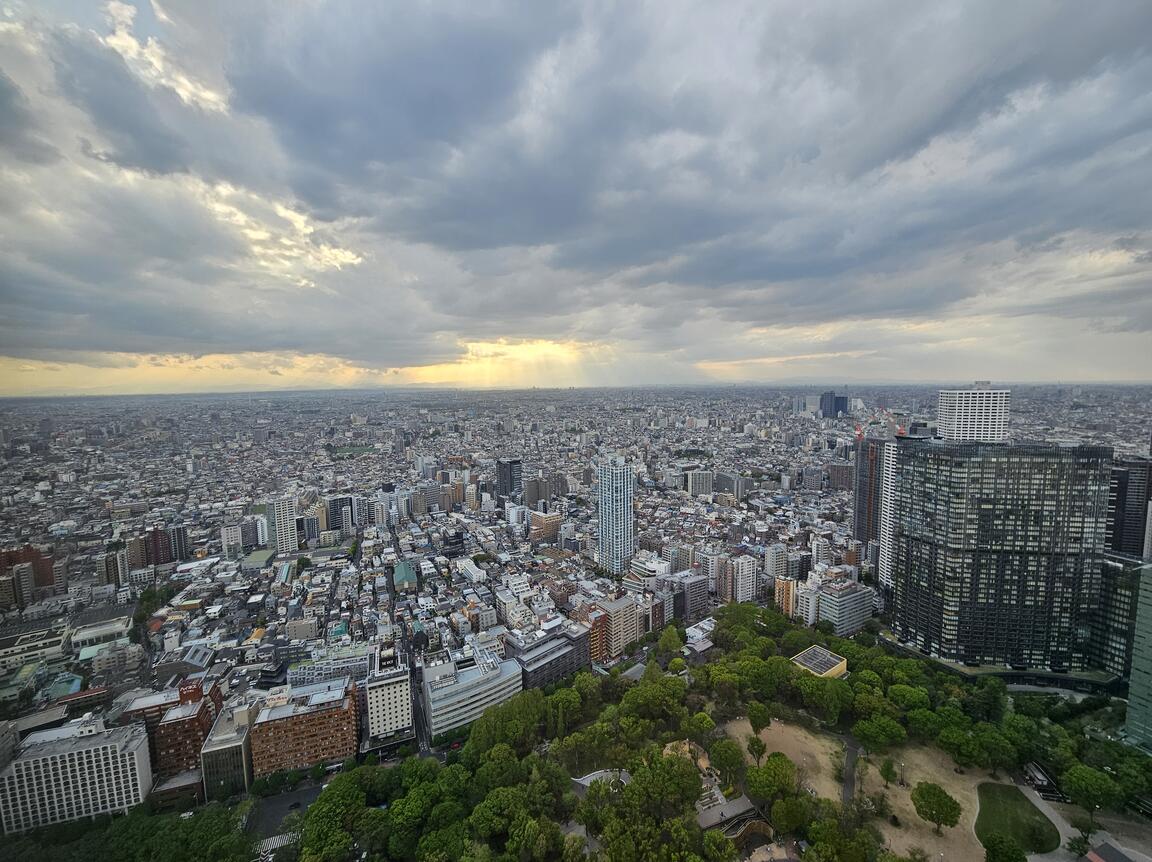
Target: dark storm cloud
{"type": "Point", "coordinates": [19, 134]}
{"type": "Point", "coordinates": [96, 78]}
{"type": "Point", "coordinates": [633, 173]}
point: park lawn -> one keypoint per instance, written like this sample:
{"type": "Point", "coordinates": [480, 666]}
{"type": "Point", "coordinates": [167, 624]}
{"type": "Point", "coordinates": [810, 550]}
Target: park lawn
{"type": "Point", "coordinates": [1003, 808]}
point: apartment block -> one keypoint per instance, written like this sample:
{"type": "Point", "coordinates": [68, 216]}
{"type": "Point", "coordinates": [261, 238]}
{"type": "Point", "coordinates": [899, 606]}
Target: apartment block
{"type": "Point", "coordinates": [80, 770]}
{"type": "Point", "coordinates": [299, 727]}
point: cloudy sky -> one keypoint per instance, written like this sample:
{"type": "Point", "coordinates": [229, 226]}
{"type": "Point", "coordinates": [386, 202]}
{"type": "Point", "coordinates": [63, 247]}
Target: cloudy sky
{"type": "Point", "coordinates": [238, 195]}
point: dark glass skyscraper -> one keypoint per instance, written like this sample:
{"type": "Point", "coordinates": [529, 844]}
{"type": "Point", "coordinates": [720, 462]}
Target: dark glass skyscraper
{"type": "Point", "coordinates": [997, 551]}
{"type": "Point", "coordinates": [508, 477]}
{"type": "Point", "coordinates": [1128, 501]}
{"type": "Point", "coordinates": [1139, 721]}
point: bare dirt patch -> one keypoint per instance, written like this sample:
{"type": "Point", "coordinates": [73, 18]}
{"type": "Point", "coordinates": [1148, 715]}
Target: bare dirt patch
{"type": "Point", "coordinates": [928, 764]}
{"type": "Point", "coordinates": [814, 754]}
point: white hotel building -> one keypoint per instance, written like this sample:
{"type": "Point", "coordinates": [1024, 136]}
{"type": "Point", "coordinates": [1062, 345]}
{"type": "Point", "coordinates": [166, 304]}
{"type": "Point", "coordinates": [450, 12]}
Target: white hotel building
{"type": "Point", "coordinates": [78, 770]}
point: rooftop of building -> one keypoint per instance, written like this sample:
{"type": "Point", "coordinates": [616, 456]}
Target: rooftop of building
{"type": "Point", "coordinates": [79, 735]}
{"type": "Point", "coordinates": [817, 659]}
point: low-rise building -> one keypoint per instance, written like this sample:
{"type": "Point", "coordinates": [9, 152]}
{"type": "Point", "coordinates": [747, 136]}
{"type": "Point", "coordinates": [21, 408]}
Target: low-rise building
{"type": "Point", "coordinates": [459, 686]}
{"type": "Point", "coordinates": [554, 656]}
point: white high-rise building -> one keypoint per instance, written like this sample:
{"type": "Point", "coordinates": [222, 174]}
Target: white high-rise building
{"type": "Point", "coordinates": [887, 516]}
{"type": "Point", "coordinates": [388, 691]}
{"type": "Point", "coordinates": [616, 516]}
{"type": "Point", "coordinates": [776, 561]}
{"type": "Point", "coordinates": [75, 771]}
{"type": "Point", "coordinates": [284, 521]}
{"type": "Point", "coordinates": [742, 571]}
{"type": "Point", "coordinates": [979, 413]}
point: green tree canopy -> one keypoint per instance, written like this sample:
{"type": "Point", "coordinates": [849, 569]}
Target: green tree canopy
{"type": "Point", "coordinates": [933, 804]}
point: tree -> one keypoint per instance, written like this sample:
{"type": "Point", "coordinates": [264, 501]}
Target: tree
{"type": "Point", "coordinates": [878, 733]}
{"type": "Point", "coordinates": [726, 756]}
{"type": "Point", "coordinates": [908, 698]}
{"type": "Point", "coordinates": [888, 771]}
{"type": "Point", "coordinates": [999, 847]}
{"type": "Point", "coordinates": [669, 644]}
{"type": "Point", "coordinates": [1091, 789]}
{"type": "Point", "coordinates": [759, 716]}
{"type": "Point", "coordinates": [789, 814]}
{"type": "Point", "coordinates": [756, 747]}
{"type": "Point", "coordinates": [925, 724]}
{"type": "Point", "coordinates": [698, 728]}
{"type": "Point", "coordinates": [677, 665]}
{"type": "Point", "coordinates": [996, 751]}
{"type": "Point", "coordinates": [777, 777]}
{"type": "Point", "coordinates": [934, 805]}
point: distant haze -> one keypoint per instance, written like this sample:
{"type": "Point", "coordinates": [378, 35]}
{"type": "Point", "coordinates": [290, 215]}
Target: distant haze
{"type": "Point", "coordinates": [221, 196]}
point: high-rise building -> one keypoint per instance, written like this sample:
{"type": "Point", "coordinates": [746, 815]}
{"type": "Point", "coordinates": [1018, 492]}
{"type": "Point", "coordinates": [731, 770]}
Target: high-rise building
{"type": "Point", "coordinates": [1130, 507]}
{"type": "Point", "coordinates": [616, 516]}
{"type": "Point", "coordinates": [1113, 629]}
{"type": "Point", "coordinates": [623, 624]}
{"type": "Point", "coordinates": [79, 770]}
{"type": "Point", "coordinates": [178, 540]}
{"type": "Point", "coordinates": [997, 551]}
{"type": "Point", "coordinates": [509, 477]}
{"type": "Point", "coordinates": [1139, 721]}
{"type": "Point", "coordinates": [828, 405]}
{"type": "Point", "coordinates": [698, 482]}
{"type": "Point", "coordinates": [158, 547]}
{"type": "Point", "coordinates": [231, 540]}
{"type": "Point", "coordinates": [389, 695]}
{"type": "Point", "coordinates": [868, 489]}
{"type": "Point", "coordinates": [283, 513]}
{"type": "Point", "coordinates": [846, 604]}
{"type": "Point", "coordinates": [979, 414]}
{"type": "Point", "coordinates": [742, 578]}
{"type": "Point", "coordinates": [887, 524]}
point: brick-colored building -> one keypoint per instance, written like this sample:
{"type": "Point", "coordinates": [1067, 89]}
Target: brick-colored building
{"type": "Point", "coordinates": [597, 636]}
{"type": "Point", "coordinates": [305, 725]}
{"type": "Point", "coordinates": [151, 707]}
{"type": "Point", "coordinates": [183, 729]}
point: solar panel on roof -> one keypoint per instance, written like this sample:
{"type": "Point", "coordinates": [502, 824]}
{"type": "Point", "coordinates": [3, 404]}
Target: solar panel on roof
{"type": "Point", "coordinates": [817, 659]}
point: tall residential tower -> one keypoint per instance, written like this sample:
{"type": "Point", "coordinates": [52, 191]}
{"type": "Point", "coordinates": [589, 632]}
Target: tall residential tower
{"type": "Point", "coordinates": [617, 519]}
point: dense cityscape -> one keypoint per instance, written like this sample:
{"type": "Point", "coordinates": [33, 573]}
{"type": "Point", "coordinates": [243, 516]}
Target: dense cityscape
{"type": "Point", "coordinates": [579, 431]}
{"type": "Point", "coordinates": [236, 597]}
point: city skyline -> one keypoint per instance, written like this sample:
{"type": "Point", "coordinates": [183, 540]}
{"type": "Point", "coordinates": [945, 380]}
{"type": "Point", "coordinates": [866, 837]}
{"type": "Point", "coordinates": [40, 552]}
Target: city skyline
{"type": "Point", "coordinates": [225, 197]}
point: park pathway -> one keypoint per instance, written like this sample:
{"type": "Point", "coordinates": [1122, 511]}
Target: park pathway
{"type": "Point", "coordinates": [851, 752]}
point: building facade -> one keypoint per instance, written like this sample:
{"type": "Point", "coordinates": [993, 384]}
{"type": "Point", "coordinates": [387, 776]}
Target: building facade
{"type": "Point", "coordinates": [459, 686]}
{"type": "Point", "coordinates": [1139, 720]}
{"type": "Point", "coordinates": [80, 770]}
{"type": "Point", "coordinates": [998, 551]}
{"type": "Point", "coordinates": [616, 516]}
{"type": "Point", "coordinates": [979, 414]}
{"type": "Point", "coordinates": [868, 489]}
{"type": "Point", "coordinates": [1129, 507]}
{"type": "Point", "coordinates": [300, 727]}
